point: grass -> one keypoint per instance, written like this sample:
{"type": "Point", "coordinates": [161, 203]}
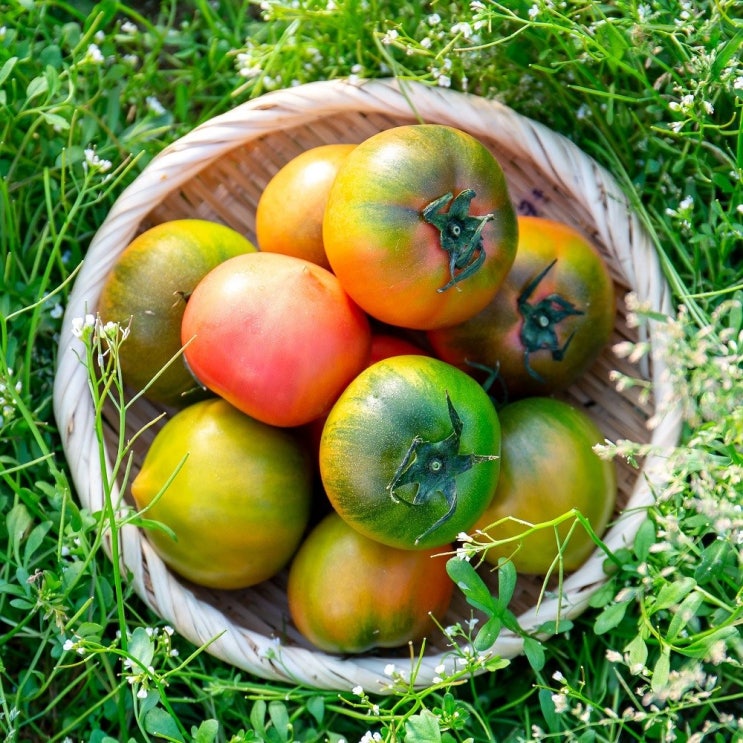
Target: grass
{"type": "Point", "coordinates": [89, 92]}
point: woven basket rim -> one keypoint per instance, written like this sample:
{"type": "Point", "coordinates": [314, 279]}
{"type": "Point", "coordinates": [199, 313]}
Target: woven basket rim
{"type": "Point", "coordinates": [559, 160]}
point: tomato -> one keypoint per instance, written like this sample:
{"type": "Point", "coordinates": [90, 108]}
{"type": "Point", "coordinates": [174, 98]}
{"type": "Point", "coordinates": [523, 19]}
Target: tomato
{"type": "Point", "coordinates": [548, 467]}
{"type": "Point", "coordinates": [149, 285]}
{"type": "Point", "coordinates": [239, 504]}
{"type": "Point", "coordinates": [349, 594]}
{"type": "Point", "coordinates": [288, 218]}
{"type": "Point", "coordinates": [549, 320]}
{"type": "Point", "coordinates": [419, 227]}
{"type": "Point", "coordinates": [409, 452]}
{"type": "Point", "coordinates": [385, 345]}
{"type": "Point", "coordinates": [276, 336]}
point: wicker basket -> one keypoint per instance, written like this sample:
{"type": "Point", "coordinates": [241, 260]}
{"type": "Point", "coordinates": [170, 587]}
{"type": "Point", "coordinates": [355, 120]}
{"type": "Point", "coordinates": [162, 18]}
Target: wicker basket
{"type": "Point", "coordinates": [217, 172]}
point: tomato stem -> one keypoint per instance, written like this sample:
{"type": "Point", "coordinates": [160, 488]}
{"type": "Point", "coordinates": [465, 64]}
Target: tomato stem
{"type": "Point", "coordinates": [538, 331]}
{"type": "Point", "coordinates": [460, 233]}
{"type": "Point", "coordinates": [434, 466]}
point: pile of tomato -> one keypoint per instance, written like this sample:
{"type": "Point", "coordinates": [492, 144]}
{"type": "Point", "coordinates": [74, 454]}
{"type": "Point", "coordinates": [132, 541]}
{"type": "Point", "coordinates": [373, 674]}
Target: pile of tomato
{"type": "Point", "coordinates": [370, 383]}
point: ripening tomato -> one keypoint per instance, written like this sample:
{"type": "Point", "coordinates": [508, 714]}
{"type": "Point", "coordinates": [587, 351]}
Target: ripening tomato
{"type": "Point", "coordinates": [419, 227]}
{"type": "Point", "coordinates": [349, 594]}
{"type": "Point", "coordinates": [385, 345]}
{"type": "Point", "coordinates": [275, 335]}
{"type": "Point", "coordinates": [289, 215]}
{"type": "Point", "coordinates": [548, 322]}
{"type": "Point", "coordinates": [548, 467]}
{"type": "Point", "coordinates": [409, 454]}
{"type": "Point", "coordinates": [239, 499]}
{"type": "Point", "coordinates": [148, 287]}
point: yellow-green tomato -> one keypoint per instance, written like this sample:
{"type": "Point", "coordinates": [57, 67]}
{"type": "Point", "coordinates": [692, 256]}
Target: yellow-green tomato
{"type": "Point", "coordinates": [239, 504]}
{"type": "Point", "coordinates": [349, 594]}
{"type": "Point", "coordinates": [548, 467]}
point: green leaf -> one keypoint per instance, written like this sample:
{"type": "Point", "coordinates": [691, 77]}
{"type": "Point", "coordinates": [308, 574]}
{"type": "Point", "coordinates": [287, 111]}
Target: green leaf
{"type": "Point", "coordinates": [506, 581]}
{"type": "Point", "coordinates": [644, 539]}
{"type": "Point", "coordinates": [422, 728]}
{"type": "Point", "coordinates": [158, 722]}
{"type": "Point", "coordinates": [610, 617]}
{"type": "Point", "coordinates": [686, 611]}
{"type": "Point", "coordinates": [316, 707]}
{"type": "Point", "coordinates": [472, 585]}
{"type": "Point", "coordinates": [150, 701]}
{"type": "Point", "coordinates": [534, 652]}
{"type": "Point", "coordinates": [206, 733]}
{"type": "Point", "coordinates": [555, 626]}
{"type": "Point", "coordinates": [57, 122]}
{"type": "Point", "coordinates": [661, 670]}
{"type": "Point", "coordinates": [637, 651]}
{"type": "Point", "coordinates": [35, 539]}
{"type": "Point", "coordinates": [18, 522]}
{"type": "Point", "coordinates": [7, 68]}
{"type": "Point", "coordinates": [603, 595]}
{"type": "Point", "coordinates": [258, 716]}
{"type": "Point", "coordinates": [38, 86]}
{"type": "Point", "coordinates": [141, 647]}
{"type": "Point", "coordinates": [671, 594]}
{"type": "Point", "coordinates": [488, 634]}
{"type": "Point", "coordinates": [547, 705]}
{"type": "Point", "coordinates": [280, 718]}
{"type": "Point", "coordinates": [496, 664]}
{"type": "Point", "coordinates": [710, 560]}
{"type": "Point", "coordinates": [702, 647]}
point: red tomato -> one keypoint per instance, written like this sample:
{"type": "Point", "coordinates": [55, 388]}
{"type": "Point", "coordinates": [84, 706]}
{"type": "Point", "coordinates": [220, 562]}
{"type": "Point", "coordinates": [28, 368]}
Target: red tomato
{"type": "Point", "coordinates": [419, 227]}
{"type": "Point", "coordinates": [549, 320]}
{"type": "Point", "coordinates": [276, 336]}
{"type": "Point", "coordinates": [349, 594]}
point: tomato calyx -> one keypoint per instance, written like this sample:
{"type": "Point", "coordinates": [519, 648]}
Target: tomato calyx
{"type": "Point", "coordinates": [538, 332]}
{"type": "Point", "coordinates": [460, 233]}
{"type": "Point", "coordinates": [434, 466]}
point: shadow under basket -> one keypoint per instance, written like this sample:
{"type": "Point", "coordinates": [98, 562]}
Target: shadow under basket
{"type": "Point", "coordinates": [218, 172]}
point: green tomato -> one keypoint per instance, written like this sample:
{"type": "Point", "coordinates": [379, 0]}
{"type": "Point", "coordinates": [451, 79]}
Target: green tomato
{"type": "Point", "coordinates": [409, 454]}
{"type": "Point", "coordinates": [548, 468]}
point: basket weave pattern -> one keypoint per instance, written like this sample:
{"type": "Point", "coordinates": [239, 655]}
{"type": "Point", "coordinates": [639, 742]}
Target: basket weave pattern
{"type": "Point", "coordinates": [218, 172]}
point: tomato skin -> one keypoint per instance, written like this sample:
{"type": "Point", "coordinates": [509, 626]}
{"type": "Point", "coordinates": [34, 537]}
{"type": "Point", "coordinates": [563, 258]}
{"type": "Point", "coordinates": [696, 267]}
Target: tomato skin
{"type": "Point", "coordinates": [276, 336]}
{"type": "Point", "coordinates": [148, 286]}
{"type": "Point", "coordinates": [386, 255]}
{"type": "Point", "coordinates": [371, 429]}
{"type": "Point", "coordinates": [548, 467]}
{"type": "Point", "coordinates": [493, 338]}
{"type": "Point", "coordinates": [350, 594]}
{"type": "Point", "coordinates": [240, 502]}
{"type": "Point", "coordinates": [386, 345]}
{"type": "Point", "coordinates": [289, 214]}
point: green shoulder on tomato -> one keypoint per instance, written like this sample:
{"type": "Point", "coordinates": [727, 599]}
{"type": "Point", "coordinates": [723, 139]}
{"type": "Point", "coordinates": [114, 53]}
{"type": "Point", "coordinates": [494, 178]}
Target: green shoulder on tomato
{"type": "Point", "coordinates": [409, 454]}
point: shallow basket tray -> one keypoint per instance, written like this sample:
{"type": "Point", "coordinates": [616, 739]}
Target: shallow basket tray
{"type": "Point", "coordinates": [218, 172]}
